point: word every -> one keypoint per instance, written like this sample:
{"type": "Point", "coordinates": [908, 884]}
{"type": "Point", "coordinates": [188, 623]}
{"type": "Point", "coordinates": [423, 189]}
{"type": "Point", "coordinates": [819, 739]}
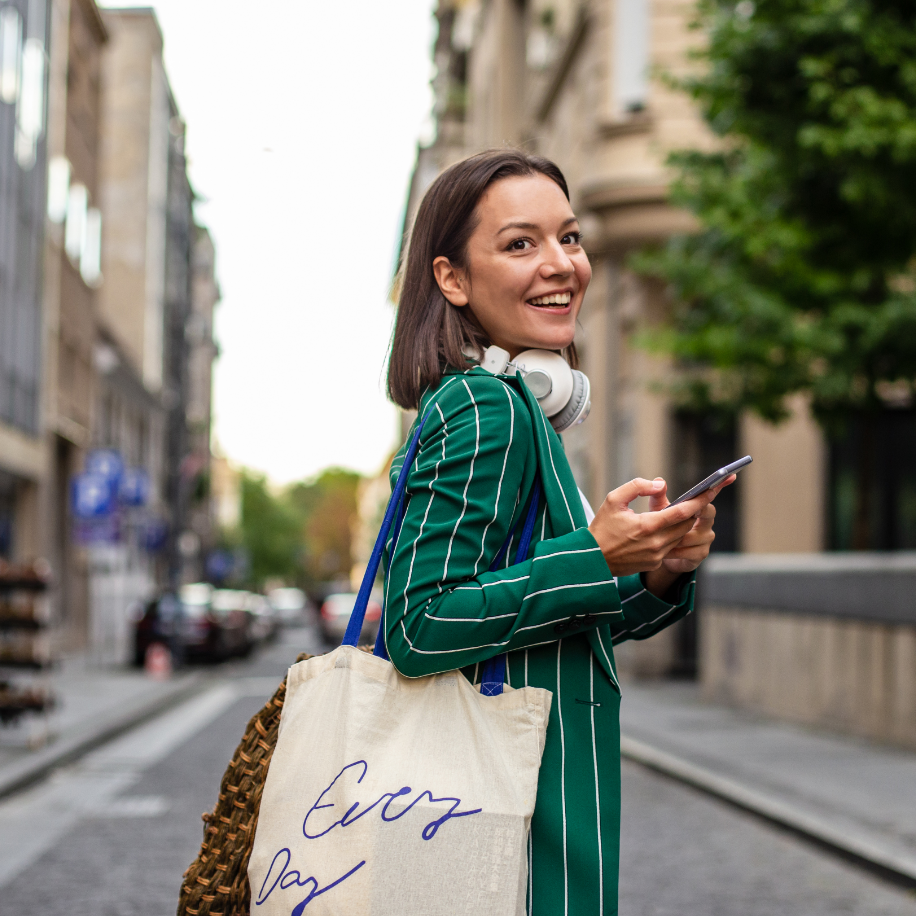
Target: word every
{"type": "Point", "coordinates": [354, 813]}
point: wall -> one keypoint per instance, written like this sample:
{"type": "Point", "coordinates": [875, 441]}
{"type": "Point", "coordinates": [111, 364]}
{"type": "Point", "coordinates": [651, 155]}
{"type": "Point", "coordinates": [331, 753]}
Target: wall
{"type": "Point", "coordinates": [824, 640]}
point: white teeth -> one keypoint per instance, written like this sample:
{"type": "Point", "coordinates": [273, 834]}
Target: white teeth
{"type": "Point", "coordinates": [555, 299]}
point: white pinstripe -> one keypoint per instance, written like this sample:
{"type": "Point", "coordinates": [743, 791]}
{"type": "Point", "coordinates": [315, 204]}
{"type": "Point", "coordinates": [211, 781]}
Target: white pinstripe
{"type": "Point", "coordinates": [548, 623]}
{"type": "Point", "coordinates": [572, 521]}
{"type": "Point", "coordinates": [432, 496]}
{"type": "Point", "coordinates": [564, 553]}
{"type": "Point", "coordinates": [413, 648]}
{"type": "Point", "coordinates": [558, 588]}
{"type": "Point", "coordinates": [591, 684]}
{"type": "Point", "coordinates": [475, 588]}
{"type": "Point", "coordinates": [607, 658]}
{"type": "Point", "coordinates": [468, 619]}
{"type": "Point", "coordinates": [467, 486]}
{"type": "Point", "coordinates": [499, 486]}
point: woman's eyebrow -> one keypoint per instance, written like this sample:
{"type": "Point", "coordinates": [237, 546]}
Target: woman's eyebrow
{"type": "Point", "coordinates": [522, 225]}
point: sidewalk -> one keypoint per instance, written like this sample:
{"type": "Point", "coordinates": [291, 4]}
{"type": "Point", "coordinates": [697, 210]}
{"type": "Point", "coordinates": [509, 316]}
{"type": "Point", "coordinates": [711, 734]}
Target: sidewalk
{"type": "Point", "coordinates": [93, 705]}
{"type": "Point", "coordinates": [846, 793]}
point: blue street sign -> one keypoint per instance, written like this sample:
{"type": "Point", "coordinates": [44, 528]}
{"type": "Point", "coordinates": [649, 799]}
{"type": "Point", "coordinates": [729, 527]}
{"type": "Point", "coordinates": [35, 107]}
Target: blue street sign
{"type": "Point", "coordinates": [91, 496]}
{"type": "Point", "coordinates": [107, 463]}
{"type": "Point", "coordinates": [134, 488]}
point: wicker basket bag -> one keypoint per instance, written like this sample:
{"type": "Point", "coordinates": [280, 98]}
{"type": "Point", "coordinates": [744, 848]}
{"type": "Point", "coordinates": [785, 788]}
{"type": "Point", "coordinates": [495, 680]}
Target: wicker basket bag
{"type": "Point", "coordinates": [216, 882]}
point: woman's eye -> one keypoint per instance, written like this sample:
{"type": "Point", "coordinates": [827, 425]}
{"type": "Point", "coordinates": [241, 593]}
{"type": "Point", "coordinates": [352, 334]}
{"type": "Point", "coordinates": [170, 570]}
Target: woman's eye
{"type": "Point", "coordinates": [572, 238]}
{"type": "Point", "coordinates": [519, 245]}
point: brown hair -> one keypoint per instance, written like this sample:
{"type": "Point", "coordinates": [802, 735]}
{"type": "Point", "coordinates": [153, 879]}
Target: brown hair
{"type": "Point", "coordinates": [430, 333]}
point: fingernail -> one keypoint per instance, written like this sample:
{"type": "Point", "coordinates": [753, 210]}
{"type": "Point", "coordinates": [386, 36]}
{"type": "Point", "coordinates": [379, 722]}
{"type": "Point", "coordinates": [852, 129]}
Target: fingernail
{"type": "Point", "coordinates": [658, 483]}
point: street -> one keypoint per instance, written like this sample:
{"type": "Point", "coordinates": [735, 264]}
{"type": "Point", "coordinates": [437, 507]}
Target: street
{"type": "Point", "coordinates": [111, 834]}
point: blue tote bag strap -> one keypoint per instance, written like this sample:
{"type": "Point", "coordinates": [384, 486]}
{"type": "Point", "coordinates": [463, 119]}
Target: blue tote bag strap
{"type": "Point", "coordinates": [494, 669]}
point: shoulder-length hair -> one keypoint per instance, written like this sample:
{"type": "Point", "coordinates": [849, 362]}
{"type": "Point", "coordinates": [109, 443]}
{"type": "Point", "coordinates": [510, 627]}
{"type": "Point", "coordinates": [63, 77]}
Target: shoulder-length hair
{"type": "Point", "coordinates": [430, 333]}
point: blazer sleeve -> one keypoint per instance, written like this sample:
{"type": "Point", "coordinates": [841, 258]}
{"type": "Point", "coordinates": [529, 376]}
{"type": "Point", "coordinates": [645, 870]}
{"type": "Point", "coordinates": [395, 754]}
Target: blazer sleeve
{"type": "Point", "coordinates": [644, 614]}
{"type": "Point", "coordinates": [444, 609]}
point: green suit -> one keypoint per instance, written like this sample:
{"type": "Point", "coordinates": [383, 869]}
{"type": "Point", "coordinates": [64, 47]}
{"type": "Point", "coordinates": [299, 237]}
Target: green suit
{"type": "Point", "coordinates": [557, 614]}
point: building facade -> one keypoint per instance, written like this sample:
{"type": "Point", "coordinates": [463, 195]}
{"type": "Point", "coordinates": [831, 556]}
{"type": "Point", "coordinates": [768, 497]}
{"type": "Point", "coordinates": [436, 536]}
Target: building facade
{"type": "Point", "coordinates": [107, 290]}
{"type": "Point", "coordinates": [24, 29]}
{"type": "Point", "coordinates": [581, 83]}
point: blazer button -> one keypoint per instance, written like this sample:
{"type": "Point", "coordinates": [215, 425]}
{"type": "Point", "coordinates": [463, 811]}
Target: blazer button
{"type": "Point", "coordinates": [589, 619]}
{"type": "Point", "coordinates": [575, 623]}
{"type": "Point", "coordinates": [561, 627]}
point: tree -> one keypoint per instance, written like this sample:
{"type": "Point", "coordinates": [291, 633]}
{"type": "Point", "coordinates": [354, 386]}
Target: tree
{"type": "Point", "coordinates": [271, 532]}
{"type": "Point", "coordinates": [801, 277]}
{"type": "Point", "coordinates": [327, 507]}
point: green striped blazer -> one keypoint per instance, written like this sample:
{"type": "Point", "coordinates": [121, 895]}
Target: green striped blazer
{"type": "Point", "coordinates": [557, 614]}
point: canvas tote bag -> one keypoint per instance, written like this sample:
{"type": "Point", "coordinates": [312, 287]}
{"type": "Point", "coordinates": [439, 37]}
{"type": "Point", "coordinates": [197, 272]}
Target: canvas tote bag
{"type": "Point", "coordinates": [396, 796]}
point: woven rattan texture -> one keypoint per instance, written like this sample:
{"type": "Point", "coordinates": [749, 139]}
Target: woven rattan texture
{"type": "Point", "coordinates": [216, 882]}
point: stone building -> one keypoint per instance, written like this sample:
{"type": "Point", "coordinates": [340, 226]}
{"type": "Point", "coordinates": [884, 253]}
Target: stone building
{"type": "Point", "coordinates": [106, 303]}
{"type": "Point", "coordinates": [202, 351]}
{"type": "Point", "coordinates": [580, 82]}
{"type": "Point", "coordinates": [143, 306]}
{"type": "Point", "coordinates": [24, 28]}
{"type": "Point", "coordinates": [72, 275]}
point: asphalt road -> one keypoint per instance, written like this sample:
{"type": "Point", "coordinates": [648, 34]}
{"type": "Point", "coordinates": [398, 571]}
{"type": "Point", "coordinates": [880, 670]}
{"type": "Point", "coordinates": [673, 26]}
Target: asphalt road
{"type": "Point", "coordinates": [112, 834]}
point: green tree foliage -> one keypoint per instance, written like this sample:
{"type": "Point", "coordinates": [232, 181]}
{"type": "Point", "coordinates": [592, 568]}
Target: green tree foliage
{"type": "Point", "coordinates": [271, 531]}
{"type": "Point", "coordinates": [328, 508]}
{"type": "Point", "coordinates": [302, 533]}
{"type": "Point", "coordinates": [802, 276]}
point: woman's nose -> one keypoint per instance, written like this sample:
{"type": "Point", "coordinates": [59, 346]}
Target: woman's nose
{"type": "Point", "coordinates": [556, 261]}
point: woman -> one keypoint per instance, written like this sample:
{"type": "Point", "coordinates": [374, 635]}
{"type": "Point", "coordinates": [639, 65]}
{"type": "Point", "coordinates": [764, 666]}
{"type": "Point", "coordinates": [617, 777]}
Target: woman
{"type": "Point", "coordinates": [495, 259]}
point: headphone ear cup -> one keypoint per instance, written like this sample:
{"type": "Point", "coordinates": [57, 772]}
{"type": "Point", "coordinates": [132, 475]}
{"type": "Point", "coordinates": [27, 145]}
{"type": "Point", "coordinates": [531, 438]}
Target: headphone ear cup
{"type": "Point", "coordinates": [578, 406]}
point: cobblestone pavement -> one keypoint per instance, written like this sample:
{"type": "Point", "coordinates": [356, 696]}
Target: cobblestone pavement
{"type": "Point", "coordinates": [685, 854]}
{"type": "Point", "coordinates": [112, 834]}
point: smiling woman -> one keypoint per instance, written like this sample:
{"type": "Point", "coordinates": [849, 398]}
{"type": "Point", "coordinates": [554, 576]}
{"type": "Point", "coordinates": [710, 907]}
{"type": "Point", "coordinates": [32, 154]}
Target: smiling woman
{"type": "Point", "coordinates": [495, 264]}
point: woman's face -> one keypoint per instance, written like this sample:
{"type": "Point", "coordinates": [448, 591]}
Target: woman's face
{"type": "Point", "coordinates": [527, 272]}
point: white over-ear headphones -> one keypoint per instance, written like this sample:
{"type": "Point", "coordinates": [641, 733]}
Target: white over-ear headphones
{"type": "Point", "coordinates": [564, 393]}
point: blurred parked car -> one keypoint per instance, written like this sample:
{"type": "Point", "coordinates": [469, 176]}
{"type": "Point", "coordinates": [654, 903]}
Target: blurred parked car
{"type": "Point", "coordinates": [290, 604]}
{"type": "Point", "coordinates": [335, 614]}
{"type": "Point", "coordinates": [232, 607]}
{"type": "Point", "coordinates": [265, 621]}
{"type": "Point", "coordinates": [191, 625]}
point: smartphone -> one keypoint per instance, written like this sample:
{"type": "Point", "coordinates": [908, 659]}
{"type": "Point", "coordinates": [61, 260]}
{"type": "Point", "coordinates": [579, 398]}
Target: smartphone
{"type": "Point", "coordinates": [714, 479]}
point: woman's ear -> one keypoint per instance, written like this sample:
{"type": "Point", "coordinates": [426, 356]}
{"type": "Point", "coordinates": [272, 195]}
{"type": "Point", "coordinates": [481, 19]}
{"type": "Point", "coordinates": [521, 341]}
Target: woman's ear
{"type": "Point", "coordinates": [451, 281]}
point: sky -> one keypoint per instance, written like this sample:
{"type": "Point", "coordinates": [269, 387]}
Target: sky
{"type": "Point", "coordinates": [303, 121]}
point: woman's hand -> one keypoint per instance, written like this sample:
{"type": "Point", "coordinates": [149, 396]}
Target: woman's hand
{"type": "Point", "coordinates": [694, 547]}
{"type": "Point", "coordinates": [664, 542]}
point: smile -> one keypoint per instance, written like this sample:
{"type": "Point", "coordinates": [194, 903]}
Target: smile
{"type": "Point", "coordinates": [556, 300]}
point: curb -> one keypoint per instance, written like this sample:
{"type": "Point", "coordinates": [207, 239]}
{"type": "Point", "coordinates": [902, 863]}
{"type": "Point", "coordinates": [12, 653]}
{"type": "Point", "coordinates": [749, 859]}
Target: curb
{"type": "Point", "coordinates": [30, 769]}
{"type": "Point", "coordinates": [865, 850]}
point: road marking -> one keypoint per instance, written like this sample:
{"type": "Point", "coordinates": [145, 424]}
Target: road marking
{"type": "Point", "coordinates": [133, 806]}
{"type": "Point", "coordinates": [33, 821]}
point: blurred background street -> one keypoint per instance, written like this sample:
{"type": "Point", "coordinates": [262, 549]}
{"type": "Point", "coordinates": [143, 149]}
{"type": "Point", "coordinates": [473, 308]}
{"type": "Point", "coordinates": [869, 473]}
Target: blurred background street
{"type": "Point", "coordinates": [203, 209]}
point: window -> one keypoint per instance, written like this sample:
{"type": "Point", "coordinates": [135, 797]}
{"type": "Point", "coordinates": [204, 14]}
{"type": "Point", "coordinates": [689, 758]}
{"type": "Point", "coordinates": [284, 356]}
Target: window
{"type": "Point", "coordinates": [872, 483]}
{"type": "Point", "coordinates": [631, 55]}
{"type": "Point", "coordinates": [91, 256]}
{"type": "Point", "coordinates": [75, 233]}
